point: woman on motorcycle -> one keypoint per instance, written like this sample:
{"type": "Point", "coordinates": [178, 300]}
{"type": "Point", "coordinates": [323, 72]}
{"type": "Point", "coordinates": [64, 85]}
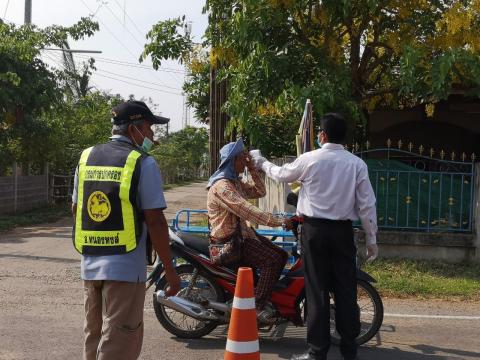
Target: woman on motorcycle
{"type": "Point", "coordinates": [232, 241]}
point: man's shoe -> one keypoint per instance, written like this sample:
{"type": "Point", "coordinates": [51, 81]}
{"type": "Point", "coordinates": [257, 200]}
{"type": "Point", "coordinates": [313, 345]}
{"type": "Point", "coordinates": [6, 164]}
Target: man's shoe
{"type": "Point", "coordinates": [306, 356]}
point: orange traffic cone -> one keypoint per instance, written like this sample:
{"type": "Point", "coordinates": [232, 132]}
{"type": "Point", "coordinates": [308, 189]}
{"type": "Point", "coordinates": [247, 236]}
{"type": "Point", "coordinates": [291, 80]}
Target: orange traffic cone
{"type": "Point", "coordinates": [242, 341]}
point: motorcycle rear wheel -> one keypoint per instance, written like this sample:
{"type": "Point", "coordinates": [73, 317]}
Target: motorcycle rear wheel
{"type": "Point", "coordinates": [371, 313]}
{"type": "Point", "coordinates": [181, 325]}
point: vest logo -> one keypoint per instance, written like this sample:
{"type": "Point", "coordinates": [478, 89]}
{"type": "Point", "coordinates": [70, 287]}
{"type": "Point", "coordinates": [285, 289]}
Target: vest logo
{"type": "Point", "coordinates": [98, 206]}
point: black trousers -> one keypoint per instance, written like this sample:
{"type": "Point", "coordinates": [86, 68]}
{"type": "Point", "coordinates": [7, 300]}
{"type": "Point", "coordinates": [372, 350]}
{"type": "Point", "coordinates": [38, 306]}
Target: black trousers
{"type": "Point", "coordinates": [329, 258]}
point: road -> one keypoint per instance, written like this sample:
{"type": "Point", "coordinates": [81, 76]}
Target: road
{"type": "Point", "coordinates": [41, 309]}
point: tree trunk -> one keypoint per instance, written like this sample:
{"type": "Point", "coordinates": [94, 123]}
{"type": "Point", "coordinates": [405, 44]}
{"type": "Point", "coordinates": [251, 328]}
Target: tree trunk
{"type": "Point", "coordinates": [218, 119]}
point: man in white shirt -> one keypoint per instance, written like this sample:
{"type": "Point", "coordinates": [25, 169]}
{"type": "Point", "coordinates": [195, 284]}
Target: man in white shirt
{"type": "Point", "coordinates": [335, 191]}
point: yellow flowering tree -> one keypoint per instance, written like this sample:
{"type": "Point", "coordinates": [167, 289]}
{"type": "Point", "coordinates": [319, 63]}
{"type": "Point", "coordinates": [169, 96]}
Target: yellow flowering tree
{"type": "Point", "coordinates": [347, 55]}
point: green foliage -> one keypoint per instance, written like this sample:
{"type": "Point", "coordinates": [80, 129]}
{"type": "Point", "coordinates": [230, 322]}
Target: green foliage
{"type": "Point", "coordinates": [197, 85]}
{"type": "Point", "coordinates": [349, 56]}
{"type": "Point", "coordinates": [166, 42]}
{"type": "Point", "coordinates": [183, 155]}
{"type": "Point", "coordinates": [26, 80]}
{"type": "Point", "coordinates": [29, 89]}
{"type": "Point", "coordinates": [75, 126]}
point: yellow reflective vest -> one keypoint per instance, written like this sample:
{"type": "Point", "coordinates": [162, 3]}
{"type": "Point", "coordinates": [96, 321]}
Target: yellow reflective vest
{"type": "Point", "coordinates": [107, 221]}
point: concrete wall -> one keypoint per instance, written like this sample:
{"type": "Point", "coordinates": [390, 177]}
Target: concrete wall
{"type": "Point", "coordinates": [449, 247]}
{"type": "Point", "coordinates": [21, 193]}
{"type": "Point", "coordinates": [276, 198]}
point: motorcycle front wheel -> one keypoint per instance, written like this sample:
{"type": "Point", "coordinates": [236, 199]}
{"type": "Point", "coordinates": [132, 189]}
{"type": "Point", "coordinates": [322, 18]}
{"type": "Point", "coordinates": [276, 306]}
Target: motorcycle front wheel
{"type": "Point", "coordinates": [194, 286]}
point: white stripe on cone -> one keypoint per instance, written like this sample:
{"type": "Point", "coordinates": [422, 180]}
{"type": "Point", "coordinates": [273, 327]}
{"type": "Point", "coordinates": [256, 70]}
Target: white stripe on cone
{"type": "Point", "coordinates": [243, 303]}
{"type": "Point", "coordinates": [242, 347]}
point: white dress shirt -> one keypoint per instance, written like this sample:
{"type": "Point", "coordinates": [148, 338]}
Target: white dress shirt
{"type": "Point", "coordinates": [335, 186]}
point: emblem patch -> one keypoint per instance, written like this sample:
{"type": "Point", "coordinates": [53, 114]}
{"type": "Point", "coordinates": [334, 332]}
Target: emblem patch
{"type": "Point", "coordinates": [98, 206]}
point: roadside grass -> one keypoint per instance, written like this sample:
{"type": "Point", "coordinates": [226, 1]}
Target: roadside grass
{"type": "Point", "coordinates": [39, 215]}
{"type": "Point", "coordinates": [426, 279]}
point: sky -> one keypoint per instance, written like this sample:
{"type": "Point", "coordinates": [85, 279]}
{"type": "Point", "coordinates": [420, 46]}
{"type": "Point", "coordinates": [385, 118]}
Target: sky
{"type": "Point", "coordinates": [123, 25]}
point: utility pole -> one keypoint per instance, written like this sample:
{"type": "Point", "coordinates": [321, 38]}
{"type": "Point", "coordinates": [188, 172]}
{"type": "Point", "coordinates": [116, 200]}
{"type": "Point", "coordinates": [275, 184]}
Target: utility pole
{"type": "Point", "coordinates": [218, 96]}
{"type": "Point", "coordinates": [28, 12]}
{"type": "Point", "coordinates": [186, 108]}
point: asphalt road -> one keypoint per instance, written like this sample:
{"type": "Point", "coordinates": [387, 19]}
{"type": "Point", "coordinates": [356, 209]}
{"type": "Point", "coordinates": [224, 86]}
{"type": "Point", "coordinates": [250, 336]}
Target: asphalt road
{"type": "Point", "coordinates": [41, 309]}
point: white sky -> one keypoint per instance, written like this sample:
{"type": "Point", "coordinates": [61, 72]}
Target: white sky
{"type": "Point", "coordinates": [120, 39]}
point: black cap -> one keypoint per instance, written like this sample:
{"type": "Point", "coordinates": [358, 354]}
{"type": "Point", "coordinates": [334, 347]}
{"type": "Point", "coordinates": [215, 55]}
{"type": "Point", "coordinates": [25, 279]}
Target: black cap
{"type": "Point", "coordinates": [132, 110]}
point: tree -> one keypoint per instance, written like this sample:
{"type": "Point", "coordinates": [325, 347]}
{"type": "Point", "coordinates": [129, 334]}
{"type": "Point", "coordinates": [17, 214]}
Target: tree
{"type": "Point", "coordinates": [29, 88]}
{"type": "Point", "coordinates": [76, 125]}
{"type": "Point", "coordinates": [349, 56]}
{"type": "Point", "coordinates": [183, 155]}
{"type": "Point", "coordinates": [197, 84]}
{"type": "Point", "coordinates": [76, 80]}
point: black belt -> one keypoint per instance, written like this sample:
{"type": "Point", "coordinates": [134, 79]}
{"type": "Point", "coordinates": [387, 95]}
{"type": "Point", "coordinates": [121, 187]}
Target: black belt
{"type": "Point", "coordinates": [314, 220]}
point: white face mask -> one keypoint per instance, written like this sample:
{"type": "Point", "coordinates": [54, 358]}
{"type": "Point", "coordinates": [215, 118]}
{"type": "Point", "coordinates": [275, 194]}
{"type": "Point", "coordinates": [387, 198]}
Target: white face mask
{"type": "Point", "coordinates": [147, 143]}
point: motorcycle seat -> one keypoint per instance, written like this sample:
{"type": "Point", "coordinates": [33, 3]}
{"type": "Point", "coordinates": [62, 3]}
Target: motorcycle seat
{"type": "Point", "coordinates": [196, 242]}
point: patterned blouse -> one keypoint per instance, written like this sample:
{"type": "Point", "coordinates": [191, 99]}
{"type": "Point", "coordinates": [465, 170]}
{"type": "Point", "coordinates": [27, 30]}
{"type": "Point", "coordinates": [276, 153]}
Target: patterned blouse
{"type": "Point", "coordinates": [227, 200]}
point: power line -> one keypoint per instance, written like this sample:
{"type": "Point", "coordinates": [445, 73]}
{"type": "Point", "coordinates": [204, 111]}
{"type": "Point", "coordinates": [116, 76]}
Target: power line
{"type": "Point", "coordinates": [131, 78]}
{"type": "Point", "coordinates": [120, 22]}
{"type": "Point", "coordinates": [135, 79]}
{"type": "Point", "coordinates": [60, 65]}
{"type": "Point", "coordinates": [131, 20]}
{"type": "Point", "coordinates": [54, 60]}
{"type": "Point", "coordinates": [145, 87]}
{"type": "Point", "coordinates": [108, 29]}
{"type": "Point", "coordinates": [101, 3]}
{"type": "Point", "coordinates": [111, 33]}
{"type": "Point", "coordinates": [130, 64]}
{"type": "Point", "coordinates": [125, 27]}
{"type": "Point", "coordinates": [6, 8]}
{"type": "Point", "coordinates": [128, 50]}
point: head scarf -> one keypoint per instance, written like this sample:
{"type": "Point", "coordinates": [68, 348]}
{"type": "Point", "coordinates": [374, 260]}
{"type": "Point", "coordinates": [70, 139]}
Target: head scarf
{"type": "Point", "coordinates": [226, 169]}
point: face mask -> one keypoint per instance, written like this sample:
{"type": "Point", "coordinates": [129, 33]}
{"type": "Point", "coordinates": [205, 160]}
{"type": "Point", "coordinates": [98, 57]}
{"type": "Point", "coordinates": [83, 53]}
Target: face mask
{"type": "Point", "coordinates": [318, 144]}
{"type": "Point", "coordinates": [147, 143]}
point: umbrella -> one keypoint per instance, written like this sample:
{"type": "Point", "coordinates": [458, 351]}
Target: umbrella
{"type": "Point", "coordinates": [305, 135]}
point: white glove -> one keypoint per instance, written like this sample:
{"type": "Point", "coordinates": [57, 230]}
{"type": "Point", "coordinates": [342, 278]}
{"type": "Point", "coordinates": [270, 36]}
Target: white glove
{"type": "Point", "coordinates": [372, 252]}
{"type": "Point", "coordinates": [255, 153]}
{"type": "Point", "coordinates": [257, 158]}
{"type": "Point", "coordinates": [259, 162]}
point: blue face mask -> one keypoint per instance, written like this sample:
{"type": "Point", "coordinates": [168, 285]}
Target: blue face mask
{"type": "Point", "coordinates": [147, 143]}
{"type": "Point", "coordinates": [318, 144]}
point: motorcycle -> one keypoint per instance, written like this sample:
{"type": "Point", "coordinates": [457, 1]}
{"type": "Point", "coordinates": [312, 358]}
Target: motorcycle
{"type": "Point", "coordinates": [207, 290]}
